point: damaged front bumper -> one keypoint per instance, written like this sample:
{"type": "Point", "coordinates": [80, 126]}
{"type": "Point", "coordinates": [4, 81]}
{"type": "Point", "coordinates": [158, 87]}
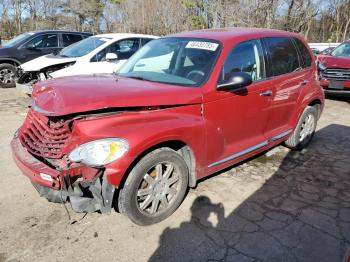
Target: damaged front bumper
{"type": "Point", "coordinates": [60, 186]}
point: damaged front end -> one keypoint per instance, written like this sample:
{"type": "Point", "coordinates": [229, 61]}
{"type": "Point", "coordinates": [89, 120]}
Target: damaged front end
{"type": "Point", "coordinates": [39, 151]}
{"type": "Point", "coordinates": [26, 79]}
{"type": "Point", "coordinates": [84, 196]}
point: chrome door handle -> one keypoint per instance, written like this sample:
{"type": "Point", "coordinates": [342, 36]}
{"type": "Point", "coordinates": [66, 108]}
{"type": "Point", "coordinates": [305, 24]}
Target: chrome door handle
{"type": "Point", "coordinates": [266, 93]}
{"type": "Point", "coordinates": [304, 83]}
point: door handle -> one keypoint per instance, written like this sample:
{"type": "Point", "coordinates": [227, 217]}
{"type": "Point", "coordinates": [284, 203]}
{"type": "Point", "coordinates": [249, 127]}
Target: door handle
{"type": "Point", "coordinates": [266, 93]}
{"type": "Point", "coordinates": [304, 83]}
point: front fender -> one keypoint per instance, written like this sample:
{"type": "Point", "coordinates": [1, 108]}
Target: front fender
{"type": "Point", "coordinates": [144, 130]}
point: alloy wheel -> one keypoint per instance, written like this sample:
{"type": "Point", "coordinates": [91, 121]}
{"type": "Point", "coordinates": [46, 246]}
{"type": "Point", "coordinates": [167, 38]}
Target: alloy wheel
{"type": "Point", "coordinates": [7, 76]}
{"type": "Point", "coordinates": [158, 188]}
{"type": "Point", "coordinates": [307, 127]}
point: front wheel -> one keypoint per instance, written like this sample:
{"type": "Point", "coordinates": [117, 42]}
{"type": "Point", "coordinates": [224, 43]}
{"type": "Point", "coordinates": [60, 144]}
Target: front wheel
{"type": "Point", "coordinates": [7, 75]}
{"type": "Point", "coordinates": [304, 131]}
{"type": "Point", "coordinates": [155, 187]}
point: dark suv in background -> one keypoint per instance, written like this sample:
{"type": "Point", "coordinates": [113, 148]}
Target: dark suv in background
{"type": "Point", "coordinates": [28, 46]}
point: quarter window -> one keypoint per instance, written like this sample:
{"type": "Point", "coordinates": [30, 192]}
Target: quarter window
{"type": "Point", "coordinates": [304, 52]}
{"type": "Point", "coordinates": [44, 41]}
{"type": "Point", "coordinates": [283, 55]}
{"type": "Point", "coordinates": [246, 57]}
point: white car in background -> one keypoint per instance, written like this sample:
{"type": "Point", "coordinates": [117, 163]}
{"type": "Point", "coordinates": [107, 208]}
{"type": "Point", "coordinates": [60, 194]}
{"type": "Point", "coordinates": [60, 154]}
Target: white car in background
{"type": "Point", "coordinates": [99, 54]}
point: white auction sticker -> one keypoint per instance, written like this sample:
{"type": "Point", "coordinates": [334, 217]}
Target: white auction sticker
{"type": "Point", "coordinates": [46, 177]}
{"type": "Point", "coordinates": [202, 45]}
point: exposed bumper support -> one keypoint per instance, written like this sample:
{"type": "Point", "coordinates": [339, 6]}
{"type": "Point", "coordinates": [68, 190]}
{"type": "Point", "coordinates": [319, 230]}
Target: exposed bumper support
{"type": "Point", "coordinates": [84, 196]}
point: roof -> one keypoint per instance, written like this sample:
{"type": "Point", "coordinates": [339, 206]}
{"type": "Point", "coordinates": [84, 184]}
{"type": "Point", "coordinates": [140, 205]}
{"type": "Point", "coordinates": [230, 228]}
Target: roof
{"type": "Point", "coordinates": [222, 34]}
{"type": "Point", "coordinates": [58, 31]}
{"type": "Point", "coordinates": [124, 35]}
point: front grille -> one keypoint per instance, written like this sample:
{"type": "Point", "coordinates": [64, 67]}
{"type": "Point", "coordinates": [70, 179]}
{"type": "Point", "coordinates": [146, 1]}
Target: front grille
{"type": "Point", "coordinates": [43, 137]}
{"type": "Point", "coordinates": [340, 74]}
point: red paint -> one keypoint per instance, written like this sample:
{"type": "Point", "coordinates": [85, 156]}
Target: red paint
{"type": "Point", "coordinates": [214, 124]}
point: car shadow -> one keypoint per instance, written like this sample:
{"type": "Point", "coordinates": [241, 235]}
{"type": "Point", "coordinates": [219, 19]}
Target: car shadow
{"type": "Point", "coordinates": [301, 213]}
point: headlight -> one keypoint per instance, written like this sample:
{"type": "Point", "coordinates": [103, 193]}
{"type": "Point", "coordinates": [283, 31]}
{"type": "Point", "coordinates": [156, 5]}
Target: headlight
{"type": "Point", "coordinates": [99, 152]}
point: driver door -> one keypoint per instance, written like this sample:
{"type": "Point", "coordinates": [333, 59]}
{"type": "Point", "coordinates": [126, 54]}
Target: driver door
{"type": "Point", "coordinates": [237, 119]}
{"type": "Point", "coordinates": [41, 45]}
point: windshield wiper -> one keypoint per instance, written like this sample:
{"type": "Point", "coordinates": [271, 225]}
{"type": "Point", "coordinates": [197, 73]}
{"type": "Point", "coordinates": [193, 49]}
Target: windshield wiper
{"type": "Point", "coordinates": [137, 77]}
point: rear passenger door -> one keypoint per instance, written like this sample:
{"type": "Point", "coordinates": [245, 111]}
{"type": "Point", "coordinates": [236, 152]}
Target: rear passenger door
{"type": "Point", "coordinates": [286, 69]}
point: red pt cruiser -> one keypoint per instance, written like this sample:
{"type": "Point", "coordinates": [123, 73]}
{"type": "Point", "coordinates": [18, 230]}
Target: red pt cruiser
{"type": "Point", "coordinates": [182, 108]}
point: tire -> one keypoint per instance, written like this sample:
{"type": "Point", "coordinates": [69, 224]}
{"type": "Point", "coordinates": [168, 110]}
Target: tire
{"type": "Point", "coordinates": [134, 198]}
{"type": "Point", "coordinates": [303, 133]}
{"type": "Point", "coordinates": [7, 75]}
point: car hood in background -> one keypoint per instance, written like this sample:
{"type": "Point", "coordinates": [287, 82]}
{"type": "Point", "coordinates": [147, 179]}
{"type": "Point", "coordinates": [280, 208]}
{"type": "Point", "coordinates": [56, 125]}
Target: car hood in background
{"type": "Point", "coordinates": [71, 95]}
{"type": "Point", "coordinates": [45, 61]}
{"type": "Point", "coordinates": [334, 61]}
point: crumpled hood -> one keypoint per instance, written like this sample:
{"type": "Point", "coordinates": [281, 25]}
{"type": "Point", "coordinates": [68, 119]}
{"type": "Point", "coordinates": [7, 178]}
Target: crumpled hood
{"type": "Point", "coordinates": [70, 95]}
{"type": "Point", "coordinates": [334, 61]}
{"type": "Point", "coordinates": [44, 61]}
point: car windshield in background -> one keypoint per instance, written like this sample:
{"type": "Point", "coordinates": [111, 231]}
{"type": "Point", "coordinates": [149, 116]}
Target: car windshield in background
{"type": "Point", "coordinates": [17, 40]}
{"type": "Point", "coordinates": [180, 61]}
{"type": "Point", "coordinates": [342, 50]}
{"type": "Point", "coordinates": [83, 47]}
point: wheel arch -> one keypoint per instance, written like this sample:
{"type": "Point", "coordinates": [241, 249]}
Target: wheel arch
{"type": "Point", "coordinates": [10, 61]}
{"type": "Point", "coordinates": [318, 105]}
{"type": "Point", "coordinates": [180, 147]}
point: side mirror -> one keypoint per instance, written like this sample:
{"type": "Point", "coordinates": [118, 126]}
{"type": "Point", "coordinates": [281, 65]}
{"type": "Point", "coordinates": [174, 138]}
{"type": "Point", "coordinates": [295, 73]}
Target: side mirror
{"type": "Point", "coordinates": [110, 57]}
{"type": "Point", "coordinates": [237, 80]}
{"type": "Point", "coordinates": [31, 47]}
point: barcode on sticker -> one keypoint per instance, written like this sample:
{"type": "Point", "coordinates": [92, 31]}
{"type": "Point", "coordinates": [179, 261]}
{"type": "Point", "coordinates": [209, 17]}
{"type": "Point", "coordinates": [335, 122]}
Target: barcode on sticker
{"type": "Point", "coordinates": [202, 45]}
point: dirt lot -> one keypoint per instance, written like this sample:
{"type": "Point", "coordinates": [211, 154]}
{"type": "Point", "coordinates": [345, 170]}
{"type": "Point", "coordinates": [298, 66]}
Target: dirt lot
{"type": "Point", "coordinates": [281, 206]}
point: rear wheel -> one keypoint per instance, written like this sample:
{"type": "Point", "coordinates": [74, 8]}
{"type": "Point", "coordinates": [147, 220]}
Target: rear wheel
{"type": "Point", "coordinates": [155, 187]}
{"type": "Point", "coordinates": [304, 131]}
{"type": "Point", "coordinates": [7, 75]}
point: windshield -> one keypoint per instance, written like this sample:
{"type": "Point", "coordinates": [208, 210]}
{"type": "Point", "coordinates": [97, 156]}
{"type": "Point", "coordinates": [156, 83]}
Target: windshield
{"type": "Point", "coordinates": [17, 40]}
{"type": "Point", "coordinates": [342, 50]}
{"type": "Point", "coordinates": [181, 61]}
{"type": "Point", "coordinates": [83, 47]}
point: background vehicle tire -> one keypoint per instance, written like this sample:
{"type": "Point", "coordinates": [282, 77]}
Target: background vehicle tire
{"type": "Point", "coordinates": [304, 131]}
{"type": "Point", "coordinates": [155, 187]}
{"type": "Point", "coordinates": [7, 75]}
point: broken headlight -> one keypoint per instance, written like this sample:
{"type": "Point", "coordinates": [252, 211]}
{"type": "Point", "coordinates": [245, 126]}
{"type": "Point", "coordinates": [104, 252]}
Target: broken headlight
{"type": "Point", "coordinates": [99, 152]}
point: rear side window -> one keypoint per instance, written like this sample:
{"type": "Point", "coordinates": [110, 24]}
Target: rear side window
{"type": "Point", "coordinates": [69, 39]}
{"type": "Point", "coordinates": [304, 52]}
{"type": "Point", "coordinates": [245, 57]}
{"type": "Point", "coordinates": [283, 55]}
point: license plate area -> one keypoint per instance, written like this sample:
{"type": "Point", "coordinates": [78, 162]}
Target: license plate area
{"type": "Point", "coordinates": [339, 85]}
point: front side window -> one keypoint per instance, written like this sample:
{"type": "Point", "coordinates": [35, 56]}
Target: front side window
{"type": "Point", "coordinates": [181, 61]}
{"type": "Point", "coordinates": [342, 50]}
{"type": "Point", "coordinates": [69, 39]}
{"type": "Point", "coordinates": [44, 41]}
{"type": "Point", "coordinates": [83, 47]}
{"type": "Point", "coordinates": [304, 52]}
{"type": "Point", "coordinates": [245, 57]}
{"type": "Point", "coordinates": [124, 49]}
{"type": "Point", "coordinates": [283, 55]}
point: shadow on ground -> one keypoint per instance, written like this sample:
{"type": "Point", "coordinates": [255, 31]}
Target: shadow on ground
{"type": "Point", "coordinates": [302, 213]}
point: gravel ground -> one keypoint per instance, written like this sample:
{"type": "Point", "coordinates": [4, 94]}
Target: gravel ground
{"type": "Point", "coordinates": [280, 206]}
